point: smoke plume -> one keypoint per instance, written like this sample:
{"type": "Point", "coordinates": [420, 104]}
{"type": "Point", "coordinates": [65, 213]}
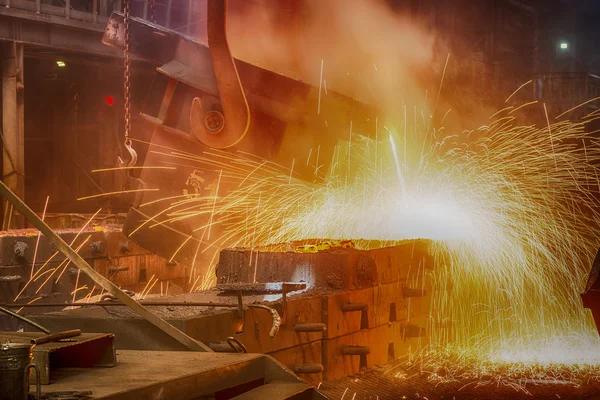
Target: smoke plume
{"type": "Point", "coordinates": [369, 51]}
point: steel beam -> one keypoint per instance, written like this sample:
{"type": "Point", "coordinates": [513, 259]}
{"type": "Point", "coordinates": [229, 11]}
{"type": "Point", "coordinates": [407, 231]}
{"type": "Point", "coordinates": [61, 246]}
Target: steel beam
{"type": "Point", "coordinates": [30, 28]}
{"type": "Point", "coordinates": [13, 150]}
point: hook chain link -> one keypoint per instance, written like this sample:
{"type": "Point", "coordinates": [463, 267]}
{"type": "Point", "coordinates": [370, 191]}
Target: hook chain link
{"type": "Point", "coordinates": [127, 75]}
{"type": "Point", "coordinates": [153, 11]}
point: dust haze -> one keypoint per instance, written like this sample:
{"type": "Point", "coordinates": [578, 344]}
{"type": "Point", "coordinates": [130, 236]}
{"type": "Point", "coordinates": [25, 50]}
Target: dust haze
{"type": "Point", "coordinates": [368, 51]}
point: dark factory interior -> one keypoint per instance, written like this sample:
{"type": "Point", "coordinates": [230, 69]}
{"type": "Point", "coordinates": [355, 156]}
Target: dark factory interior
{"type": "Point", "coordinates": [300, 199]}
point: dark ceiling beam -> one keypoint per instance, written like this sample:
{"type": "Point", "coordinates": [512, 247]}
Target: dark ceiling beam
{"type": "Point", "coordinates": [54, 32]}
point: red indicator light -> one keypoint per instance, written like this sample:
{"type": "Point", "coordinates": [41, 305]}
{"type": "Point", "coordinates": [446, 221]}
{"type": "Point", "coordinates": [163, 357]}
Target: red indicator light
{"type": "Point", "coordinates": [109, 100]}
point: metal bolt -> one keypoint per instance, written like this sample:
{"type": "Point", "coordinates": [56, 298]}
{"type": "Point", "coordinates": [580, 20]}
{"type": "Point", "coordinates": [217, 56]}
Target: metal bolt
{"type": "Point", "coordinates": [214, 121]}
{"type": "Point", "coordinates": [97, 247]}
{"type": "Point", "coordinates": [124, 246]}
{"type": "Point", "coordinates": [10, 278]}
{"type": "Point", "coordinates": [20, 249]}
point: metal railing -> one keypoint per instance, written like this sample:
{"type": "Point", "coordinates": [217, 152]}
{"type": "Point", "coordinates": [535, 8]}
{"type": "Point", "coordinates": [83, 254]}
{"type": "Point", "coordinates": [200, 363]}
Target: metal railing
{"type": "Point", "coordinates": [180, 15]}
{"type": "Point", "coordinates": [566, 86]}
{"type": "Point", "coordinates": [95, 11]}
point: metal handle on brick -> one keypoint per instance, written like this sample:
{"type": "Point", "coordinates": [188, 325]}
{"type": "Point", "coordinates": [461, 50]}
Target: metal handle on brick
{"type": "Point", "coordinates": [275, 315]}
{"type": "Point", "coordinates": [310, 327]}
{"type": "Point", "coordinates": [308, 368]}
{"type": "Point", "coordinates": [38, 381]}
{"type": "Point", "coordinates": [236, 345]}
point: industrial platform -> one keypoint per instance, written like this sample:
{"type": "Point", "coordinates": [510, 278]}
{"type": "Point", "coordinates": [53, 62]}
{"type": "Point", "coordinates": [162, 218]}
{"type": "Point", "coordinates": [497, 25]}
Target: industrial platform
{"type": "Point", "coordinates": [184, 375]}
{"type": "Point", "coordinates": [323, 315]}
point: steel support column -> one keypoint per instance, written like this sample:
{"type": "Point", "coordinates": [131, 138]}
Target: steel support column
{"type": "Point", "coordinates": [13, 149]}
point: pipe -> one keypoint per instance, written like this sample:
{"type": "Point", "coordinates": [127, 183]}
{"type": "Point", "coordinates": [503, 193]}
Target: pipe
{"type": "Point", "coordinates": [308, 368]}
{"type": "Point", "coordinates": [54, 337]}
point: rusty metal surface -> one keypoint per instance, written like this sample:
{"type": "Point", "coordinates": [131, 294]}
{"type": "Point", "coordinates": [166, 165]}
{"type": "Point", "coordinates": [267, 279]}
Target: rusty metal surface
{"type": "Point", "coordinates": [109, 252]}
{"type": "Point", "coordinates": [334, 269]}
{"type": "Point", "coordinates": [104, 241]}
{"type": "Point", "coordinates": [260, 288]}
{"type": "Point", "coordinates": [320, 325]}
{"type": "Point", "coordinates": [189, 375]}
{"type": "Point", "coordinates": [289, 346]}
{"type": "Point", "coordinates": [77, 220]}
{"type": "Point", "coordinates": [207, 323]}
{"type": "Point", "coordinates": [351, 307]}
{"type": "Point", "coordinates": [85, 351]}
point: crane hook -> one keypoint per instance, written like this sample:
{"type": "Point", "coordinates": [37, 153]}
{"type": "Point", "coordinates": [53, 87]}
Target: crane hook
{"type": "Point", "coordinates": [132, 154]}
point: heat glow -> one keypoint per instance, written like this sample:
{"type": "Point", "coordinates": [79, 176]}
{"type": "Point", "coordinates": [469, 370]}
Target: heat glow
{"type": "Point", "coordinates": [511, 211]}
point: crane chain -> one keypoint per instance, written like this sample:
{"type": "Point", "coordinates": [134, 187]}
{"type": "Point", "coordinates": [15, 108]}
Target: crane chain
{"type": "Point", "coordinates": [153, 11]}
{"type": "Point", "coordinates": [127, 75]}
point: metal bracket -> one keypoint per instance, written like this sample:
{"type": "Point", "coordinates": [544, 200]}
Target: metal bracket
{"type": "Point", "coordinates": [285, 288]}
{"type": "Point", "coordinates": [240, 309]}
{"type": "Point", "coordinates": [241, 323]}
{"type": "Point", "coordinates": [236, 345]}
